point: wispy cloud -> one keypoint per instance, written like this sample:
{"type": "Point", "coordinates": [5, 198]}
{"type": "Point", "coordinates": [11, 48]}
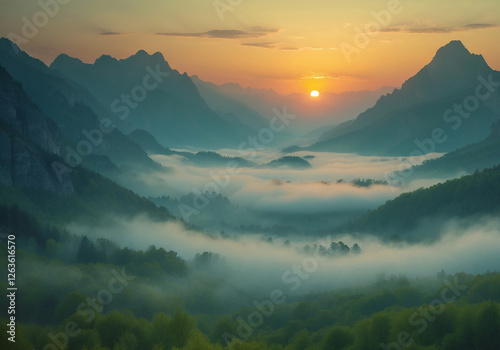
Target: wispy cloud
{"type": "Point", "coordinates": [255, 32]}
{"type": "Point", "coordinates": [305, 48]}
{"type": "Point", "coordinates": [479, 26]}
{"type": "Point", "coordinates": [111, 32]}
{"type": "Point", "coordinates": [329, 76]}
{"type": "Point", "coordinates": [266, 45]}
{"type": "Point", "coordinates": [432, 29]}
{"type": "Point", "coordinates": [261, 29]}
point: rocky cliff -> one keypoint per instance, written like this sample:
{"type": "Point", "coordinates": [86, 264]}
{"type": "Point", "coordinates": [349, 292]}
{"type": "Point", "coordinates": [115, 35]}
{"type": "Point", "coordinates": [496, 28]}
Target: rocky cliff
{"type": "Point", "coordinates": [29, 141]}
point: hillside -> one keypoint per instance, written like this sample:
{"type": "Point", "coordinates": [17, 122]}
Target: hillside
{"type": "Point", "coordinates": [471, 195]}
{"type": "Point", "coordinates": [465, 160]}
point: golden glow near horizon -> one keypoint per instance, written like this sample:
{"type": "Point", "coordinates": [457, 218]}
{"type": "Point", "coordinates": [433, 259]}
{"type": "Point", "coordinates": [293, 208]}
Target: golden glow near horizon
{"type": "Point", "coordinates": [314, 93]}
{"type": "Point", "coordinates": [289, 46]}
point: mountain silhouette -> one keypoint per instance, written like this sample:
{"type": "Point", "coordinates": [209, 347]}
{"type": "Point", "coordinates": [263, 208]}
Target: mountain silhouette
{"type": "Point", "coordinates": [162, 101]}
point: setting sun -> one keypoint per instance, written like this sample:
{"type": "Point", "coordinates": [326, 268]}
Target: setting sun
{"type": "Point", "coordinates": [314, 93]}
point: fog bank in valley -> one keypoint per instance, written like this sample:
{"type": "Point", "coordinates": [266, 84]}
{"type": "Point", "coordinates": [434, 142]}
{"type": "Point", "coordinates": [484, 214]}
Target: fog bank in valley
{"type": "Point", "coordinates": [252, 262]}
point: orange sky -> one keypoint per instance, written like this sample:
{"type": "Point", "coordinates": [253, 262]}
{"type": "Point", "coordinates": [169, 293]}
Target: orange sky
{"type": "Point", "coordinates": [290, 46]}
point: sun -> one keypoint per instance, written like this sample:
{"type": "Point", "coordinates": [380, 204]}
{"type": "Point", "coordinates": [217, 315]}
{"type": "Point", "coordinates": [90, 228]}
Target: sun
{"type": "Point", "coordinates": [314, 93]}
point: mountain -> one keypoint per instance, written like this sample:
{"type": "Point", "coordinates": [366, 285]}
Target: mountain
{"type": "Point", "coordinates": [74, 110]}
{"type": "Point", "coordinates": [144, 92]}
{"type": "Point", "coordinates": [149, 143]}
{"type": "Point", "coordinates": [228, 108]}
{"type": "Point", "coordinates": [312, 113]}
{"type": "Point", "coordinates": [255, 108]}
{"type": "Point", "coordinates": [425, 114]}
{"type": "Point", "coordinates": [28, 142]}
{"type": "Point", "coordinates": [419, 214]}
{"type": "Point", "coordinates": [465, 160]}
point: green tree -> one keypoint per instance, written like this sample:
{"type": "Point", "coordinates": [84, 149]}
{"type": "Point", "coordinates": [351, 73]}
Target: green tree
{"type": "Point", "coordinates": [223, 325]}
{"type": "Point", "coordinates": [301, 340]}
{"type": "Point", "coordinates": [68, 306]}
{"type": "Point", "coordinates": [180, 328]}
{"type": "Point", "coordinates": [338, 339]}
{"type": "Point", "coordinates": [159, 328]}
{"type": "Point", "coordinates": [380, 327]}
{"type": "Point", "coordinates": [128, 341]}
{"type": "Point", "coordinates": [488, 327]}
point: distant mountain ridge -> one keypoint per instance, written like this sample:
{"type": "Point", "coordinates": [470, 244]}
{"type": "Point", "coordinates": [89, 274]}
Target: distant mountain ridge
{"type": "Point", "coordinates": [319, 112]}
{"type": "Point", "coordinates": [227, 107]}
{"type": "Point", "coordinates": [401, 120]}
{"type": "Point", "coordinates": [144, 92]}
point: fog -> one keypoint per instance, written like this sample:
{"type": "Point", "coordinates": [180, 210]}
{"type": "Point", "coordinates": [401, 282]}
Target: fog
{"type": "Point", "coordinates": [324, 187]}
{"type": "Point", "coordinates": [258, 266]}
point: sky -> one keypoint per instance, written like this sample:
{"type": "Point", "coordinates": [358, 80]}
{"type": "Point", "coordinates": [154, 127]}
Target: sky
{"type": "Point", "coordinates": [286, 45]}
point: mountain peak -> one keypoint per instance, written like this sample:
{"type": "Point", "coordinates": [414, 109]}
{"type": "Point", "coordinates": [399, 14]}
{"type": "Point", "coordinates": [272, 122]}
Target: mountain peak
{"type": "Point", "coordinates": [144, 58]}
{"type": "Point", "coordinates": [453, 66]}
{"type": "Point", "coordinates": [456, 54]}
{"type": "Point", "coordinates": [453, 50]}
{"type": "Point", "coordinates": [104, 59]}
{"type": "Point", "coordinates": [63, 59]}
{"type": "Point", "coordinates": [144, 55]}
{"type": "Point", "coordinates": [141, 53]}
{"type": "Point", "coordinates": [7, 44]}
{"type": "Point", "coordinates": [158, 55]}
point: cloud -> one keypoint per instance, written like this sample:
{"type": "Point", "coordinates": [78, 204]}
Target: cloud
{"type": "Point", "coordinates": [329, 76]}
{"type": "Point", "coordinates": [311, 48]}
{"type": "Point", "coordinates": [479, 26]}
{"type": "Point", "coordinates": [261, 29]}
{"type": "Point", "coordinates": [111, 33]}
{"type": "Point", "coordinates": [256, 32]}
{"type": "Point", "coordinates": [416, 28]}
{"type": "Point", "coordinates": [266, 45]}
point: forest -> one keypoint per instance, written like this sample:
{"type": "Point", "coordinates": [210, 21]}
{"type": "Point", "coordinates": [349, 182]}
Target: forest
{"type": "Point", "coordinates": [121, 298]}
